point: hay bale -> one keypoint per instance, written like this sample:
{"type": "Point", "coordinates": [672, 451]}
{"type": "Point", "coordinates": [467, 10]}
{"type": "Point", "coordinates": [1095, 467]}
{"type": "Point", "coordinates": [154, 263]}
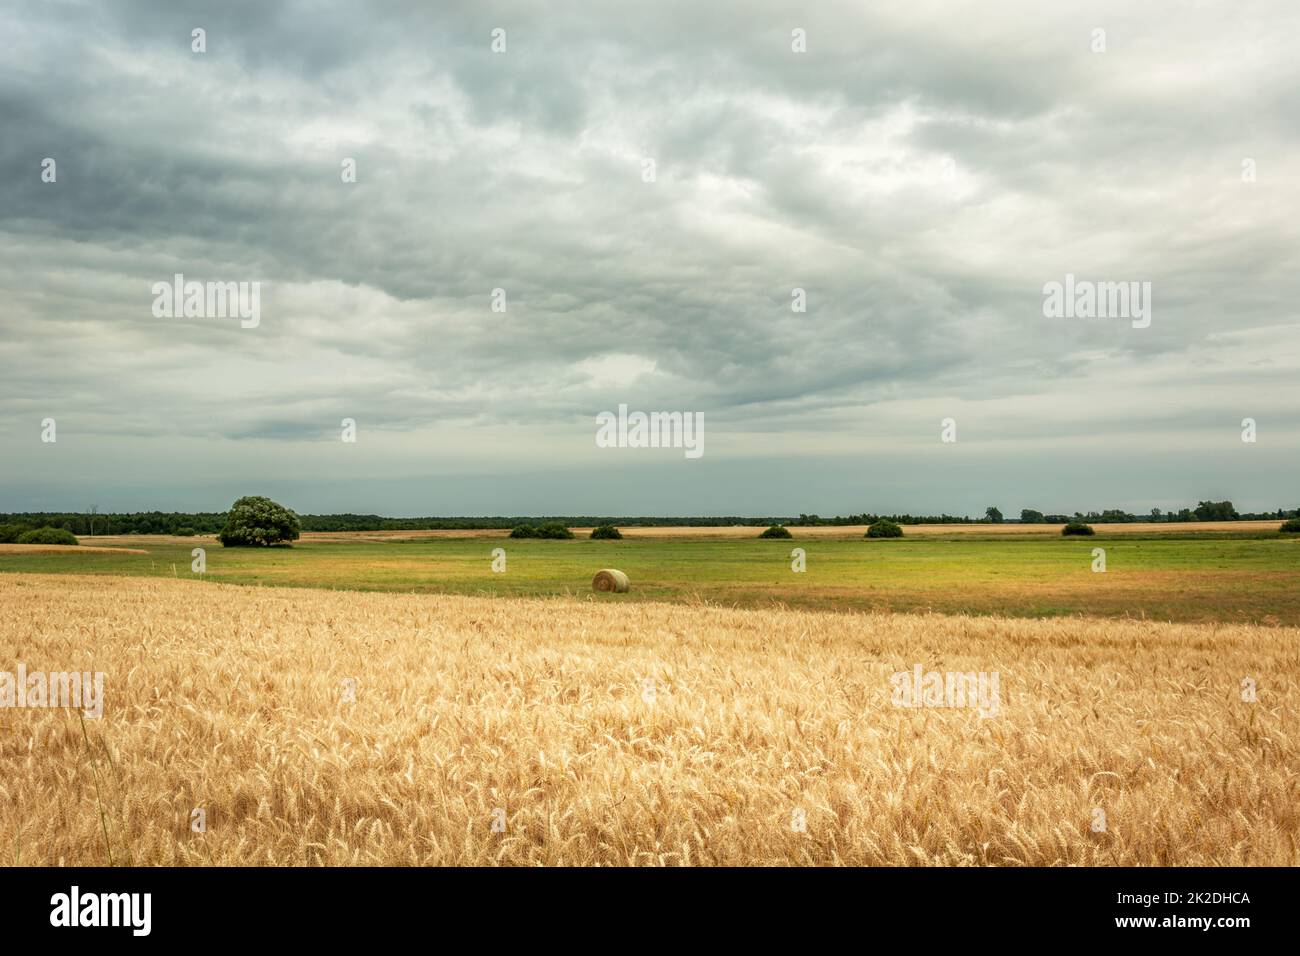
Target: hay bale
{"type": "Point", "coordinates": [609, 579]}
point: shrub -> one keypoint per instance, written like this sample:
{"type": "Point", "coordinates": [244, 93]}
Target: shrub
{"type": "Point", "coordinates": [9, 533]}
{"type": "Point", "coordinates": [1077, 527]}
{"type": "Point", "coordinates": [606, 532]}
{"type": "Point", "coordinates": [884, 528]}
{"type": "Point", "coordinates": [185, 532]}
{"type": "Point", "coordinates": [552, 529]}
{"type": "Point", "coordinates": [47, 536]}
{"type": "Point", "coordinates": [776, 531]}
{"type": "Point", "coordinates": [258, 522]}
{"type": "Point", "coordinates": [1290, 526]}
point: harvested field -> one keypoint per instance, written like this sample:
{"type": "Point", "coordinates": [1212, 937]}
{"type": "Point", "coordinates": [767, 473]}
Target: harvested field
{"type": "Point", "coordinates": [963, 530]}
{"type": "Point", "coordinates": [66, 549]}
{"type": "Point", "coordinates": [829, 531]}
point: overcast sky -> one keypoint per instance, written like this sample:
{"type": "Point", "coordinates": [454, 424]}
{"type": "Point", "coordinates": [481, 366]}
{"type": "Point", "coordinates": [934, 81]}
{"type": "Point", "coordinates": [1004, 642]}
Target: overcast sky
{"type": "Point", "coordinates": [921, 171]}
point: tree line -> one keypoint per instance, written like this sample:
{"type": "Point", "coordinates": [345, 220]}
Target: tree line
{"type": "Point", "coordinates": [212, 522]}
{"type": "Point", "coordinates": [1204, 511]}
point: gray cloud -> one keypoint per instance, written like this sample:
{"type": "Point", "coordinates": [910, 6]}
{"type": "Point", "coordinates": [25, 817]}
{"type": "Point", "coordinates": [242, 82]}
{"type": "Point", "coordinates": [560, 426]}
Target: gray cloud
{"type": "Point", "coordinates": [920, 172]}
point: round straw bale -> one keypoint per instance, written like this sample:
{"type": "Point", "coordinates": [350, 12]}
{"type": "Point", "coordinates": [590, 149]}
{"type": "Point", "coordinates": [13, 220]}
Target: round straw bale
{"type": "Point", "coordinates": [609, 580]}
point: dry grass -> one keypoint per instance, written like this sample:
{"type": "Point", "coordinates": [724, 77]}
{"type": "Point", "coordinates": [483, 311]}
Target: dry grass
{"type": "Point", "coordinates": [737, 531]}
{"type": "Point", "coordinates": [65, 549]}
{"type": "Point", "coordinates": [931, 530]}
{"type": "Point", "coordinates": [229, 699]}
{"type": "Point", "coordinates": [827, 531]}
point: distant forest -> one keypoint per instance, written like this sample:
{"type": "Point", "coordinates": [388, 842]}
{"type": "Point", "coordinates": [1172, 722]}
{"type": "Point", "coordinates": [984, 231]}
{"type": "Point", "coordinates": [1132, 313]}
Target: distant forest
{"type": "Point", "coordinates": [210, 522]}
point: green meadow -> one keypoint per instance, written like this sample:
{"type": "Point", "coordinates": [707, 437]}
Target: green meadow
{"type": "Point", "coordinates": [1252, 579]}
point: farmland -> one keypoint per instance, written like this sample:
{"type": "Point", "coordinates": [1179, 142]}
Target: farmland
{"type": "Point", "coordinates": [558, 731]}
{"type": "Point", "coordinates": [388, 698]}
{"type": "Point", "coordinates": [1233, 572]}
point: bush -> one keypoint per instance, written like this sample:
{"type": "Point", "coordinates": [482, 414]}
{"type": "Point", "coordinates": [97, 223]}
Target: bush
{"type": "Point", "coordinates": [776, 531]}
{"type": "Point", "coordinates": [258, 522]}
{"type": "Point", "coordinates": [606, 532]}
{"type": "Point", "coordinates": [553, 530]}
{"type": "Point", "coordinates": [884, 528]}
{"type": "Point", "coordinates": [1290, 526]}
{"type": "Point", "coordinates": [47, 536]}
{"type": "Point", "coordinates": [185, 532]}
{"type": "Point", "coordinates": [9, 533]}
{"type": "Point", "coordinates": [1077, 527]}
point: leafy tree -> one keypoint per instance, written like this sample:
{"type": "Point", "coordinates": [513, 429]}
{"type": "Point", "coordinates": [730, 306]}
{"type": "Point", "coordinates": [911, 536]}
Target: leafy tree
{"type": "Point", "coordinates": [993, 514]}
{"type": "Point", "coordinates": [606, 532]}
{"type": "Point", "coordinates": [258, 522]}
{"type": "Point", "coordinates": [1029, 516]}
{"type": "Point", "coordinates": [1077, 527]}
{"type": "Point", "coordinates": [1290, 526]}
{"type": "Point", "coordinates": [776, 531]}
{"type": "Point", "coordinates": [1215, 511]}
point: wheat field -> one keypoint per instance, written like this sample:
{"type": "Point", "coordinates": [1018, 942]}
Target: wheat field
{"type": "Point", "coordinates": [560, 732]}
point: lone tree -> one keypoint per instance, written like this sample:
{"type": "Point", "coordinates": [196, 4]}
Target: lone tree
{"type": "Point", "coordinates": [993, 514]}
{"type": "Point", "coordinates": [257, 522]}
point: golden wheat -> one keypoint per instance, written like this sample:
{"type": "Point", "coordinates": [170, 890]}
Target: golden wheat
{"type": "Point", "coordinates": [599, 733]}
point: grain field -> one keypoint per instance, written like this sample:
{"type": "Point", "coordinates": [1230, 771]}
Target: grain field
{"type": "Point", "coordinates": [322, 727]}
